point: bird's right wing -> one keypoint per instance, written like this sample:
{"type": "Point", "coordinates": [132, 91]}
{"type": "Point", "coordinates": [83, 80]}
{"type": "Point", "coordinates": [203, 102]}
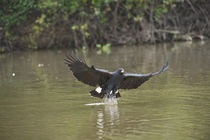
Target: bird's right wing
{"type": "Point", "coordinates": [88, 75]}
{"type": "Point", "coordinates": [132, 81]}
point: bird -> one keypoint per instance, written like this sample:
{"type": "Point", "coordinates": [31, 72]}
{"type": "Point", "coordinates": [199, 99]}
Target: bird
{"type": "Point", "coordinates": [107, 83]}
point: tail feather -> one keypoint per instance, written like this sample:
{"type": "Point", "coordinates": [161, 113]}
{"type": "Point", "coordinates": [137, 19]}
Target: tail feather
{"type": "Point", "coordinates": [94, 93]}
{"type": "Point", "coordinates": [118, 95]}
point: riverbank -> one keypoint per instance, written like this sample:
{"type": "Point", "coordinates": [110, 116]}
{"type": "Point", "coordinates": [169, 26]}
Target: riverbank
{"type": "Point", "coordinates": [81, 24]}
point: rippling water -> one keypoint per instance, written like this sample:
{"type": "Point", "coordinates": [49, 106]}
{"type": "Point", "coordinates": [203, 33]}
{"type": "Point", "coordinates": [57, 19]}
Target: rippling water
{"type": "Point", "coordinates": [41, 100]}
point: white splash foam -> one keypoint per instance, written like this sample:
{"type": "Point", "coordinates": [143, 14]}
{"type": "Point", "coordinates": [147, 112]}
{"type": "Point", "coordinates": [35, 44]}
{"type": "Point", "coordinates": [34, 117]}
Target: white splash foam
{"type": "Point", "coordinates": [110, 101]}
{"type": "Point", "coordinates": [94, 104]}
{"type": "Point", "coordinates": [107, 101]}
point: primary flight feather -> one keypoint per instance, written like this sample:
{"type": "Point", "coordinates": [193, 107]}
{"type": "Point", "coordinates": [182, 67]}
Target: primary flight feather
{"type": "Point", "coordinates": [108, 82]}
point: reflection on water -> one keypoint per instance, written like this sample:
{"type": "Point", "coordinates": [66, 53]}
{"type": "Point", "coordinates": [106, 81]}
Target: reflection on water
{"type": "Point", "coordinates": [100, 124]}
{"type": "Point", "coordinates": [109, 116]}
{"type": "Point", "coordinates": [113, 114]}
{"type": "Point", "coordinates": [40, 98]}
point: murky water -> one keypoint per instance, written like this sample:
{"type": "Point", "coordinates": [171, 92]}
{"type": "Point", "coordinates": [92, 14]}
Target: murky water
{"type": "Point", "coordinates": [41, 100]}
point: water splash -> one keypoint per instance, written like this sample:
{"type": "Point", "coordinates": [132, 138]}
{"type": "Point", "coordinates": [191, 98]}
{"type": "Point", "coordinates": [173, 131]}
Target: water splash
{"type": "Point", "coordinates": [110, 101]}
{"type": "Point", "coordinates": [107, 101]}
{"type": "Point", "coordinates": [94, 104]}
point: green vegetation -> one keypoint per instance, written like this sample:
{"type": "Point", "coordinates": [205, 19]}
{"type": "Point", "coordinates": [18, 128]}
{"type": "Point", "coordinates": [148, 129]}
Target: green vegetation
{"type": "Point", "coordinates": [38, 24]}
{"type": "Point", "coordinates": [103, 48]}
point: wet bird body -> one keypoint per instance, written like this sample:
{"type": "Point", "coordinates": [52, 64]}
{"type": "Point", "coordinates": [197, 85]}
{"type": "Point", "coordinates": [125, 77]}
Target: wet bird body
{"type": "Point", "coordinates": [108, 82]}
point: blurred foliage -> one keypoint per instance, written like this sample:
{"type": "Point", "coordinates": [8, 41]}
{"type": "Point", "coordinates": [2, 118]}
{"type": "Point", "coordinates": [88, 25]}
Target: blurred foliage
{"type": "Point", "coordinates": [85, 18]}
{"type": "Point", "coordinates": [13, 12]}
{"type": "Point", "coordinates": [105, 48]}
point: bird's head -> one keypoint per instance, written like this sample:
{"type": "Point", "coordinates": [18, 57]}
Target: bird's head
{"type": "Point", "coordinates": [120, 71]}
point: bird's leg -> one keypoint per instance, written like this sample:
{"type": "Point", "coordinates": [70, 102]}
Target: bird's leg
{"type": "Point", "coordinates": [114, 92]}
{"type": "Point", "coordinates": [109, 93]}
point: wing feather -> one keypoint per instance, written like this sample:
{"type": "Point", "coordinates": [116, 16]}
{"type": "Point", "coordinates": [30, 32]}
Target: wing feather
{"type": "Point", "coordinates": [88, 75]}
{"type": "Point", "coordinates": [132, 81]}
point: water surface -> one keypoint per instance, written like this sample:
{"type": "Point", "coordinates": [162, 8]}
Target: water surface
{"type": "Point", "coordinates": [41, 100]}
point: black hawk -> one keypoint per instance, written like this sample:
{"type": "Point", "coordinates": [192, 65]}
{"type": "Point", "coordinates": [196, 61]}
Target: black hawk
{"type": "Point", "coordinates": [108, 82]}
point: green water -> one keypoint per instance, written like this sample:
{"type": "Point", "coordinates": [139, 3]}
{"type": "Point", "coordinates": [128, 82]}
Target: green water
{"type": "Point", "coordinates": [41, 100]}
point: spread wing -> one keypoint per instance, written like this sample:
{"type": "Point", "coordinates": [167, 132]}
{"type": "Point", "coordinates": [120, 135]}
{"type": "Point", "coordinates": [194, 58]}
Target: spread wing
{"type": "Point", "coordinates": [88, 75]}
{"type": "Point", "coordinates": [132, 81]}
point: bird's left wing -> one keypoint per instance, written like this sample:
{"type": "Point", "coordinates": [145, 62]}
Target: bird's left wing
{"type": "Point", "coordinates": [132, 81]}
{"type": "Point", "coordinates": [88, 75]}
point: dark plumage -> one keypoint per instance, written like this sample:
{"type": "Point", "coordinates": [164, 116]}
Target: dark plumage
{"type": "Point", "coordinates": [108, 82]}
